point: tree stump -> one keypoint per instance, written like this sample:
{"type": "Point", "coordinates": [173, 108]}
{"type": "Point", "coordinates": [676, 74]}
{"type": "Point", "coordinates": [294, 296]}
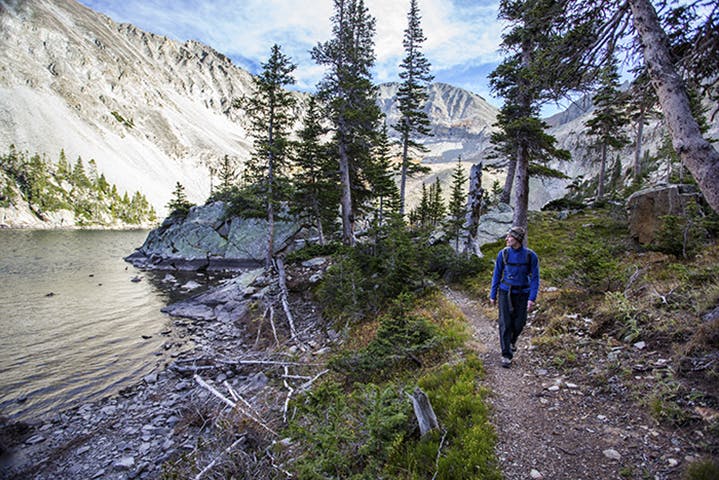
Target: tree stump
{"type": "Point", "coordinates": [423, 411]}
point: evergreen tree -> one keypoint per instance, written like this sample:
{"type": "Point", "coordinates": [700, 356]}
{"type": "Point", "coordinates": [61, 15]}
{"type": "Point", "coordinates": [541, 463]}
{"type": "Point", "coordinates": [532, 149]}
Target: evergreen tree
{"type": "Point", "coordinates": [457, 202]}
{"type": "Point", "coordinates": [692, 48]}
{"type": "Point", "coordinates": [270, 112]}
{"type": "Point", "coordinates": [411, 99]}
{"type": "Point", "coordinates": [350, 99]}
{"type": "Point", "coordinates": [315, 182]}
{"type": "Point", "coordinates": [608, 120]}
{"type": "Point", "coordinates": [177, 205]}
{"type": "Point", "coordinates": [227, 176]}
{"type": "Point", "coordinates": [384, 188]}
{"type": "Point", "coordinates": [63, 170]}
{"type": "Point", "coordinates": [437, 209]}
{"type": "Point", "coordinates": [640, 108]}
{"type": "Point", "coordinates": [78, 178]}
{"type": "Point", "coordinates": [524, 80]}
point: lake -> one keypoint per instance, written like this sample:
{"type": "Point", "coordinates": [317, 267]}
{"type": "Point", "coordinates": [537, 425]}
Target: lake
{"type": "Point", "coordinates": [75, 326]}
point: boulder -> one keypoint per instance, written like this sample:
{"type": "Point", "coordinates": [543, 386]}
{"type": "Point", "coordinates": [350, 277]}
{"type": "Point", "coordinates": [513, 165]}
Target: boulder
{"type": "Point", "coordinates": [494, 224]}
{"type": "Point", "coordinates": [206, 239]}
{"type": "Point", "coordinates": [646, 207]}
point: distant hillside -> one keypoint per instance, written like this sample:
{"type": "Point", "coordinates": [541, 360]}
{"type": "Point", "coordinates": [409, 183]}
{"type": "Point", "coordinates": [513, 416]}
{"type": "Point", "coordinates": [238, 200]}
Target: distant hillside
{"type": "Point", "coordinates": [149, 110]}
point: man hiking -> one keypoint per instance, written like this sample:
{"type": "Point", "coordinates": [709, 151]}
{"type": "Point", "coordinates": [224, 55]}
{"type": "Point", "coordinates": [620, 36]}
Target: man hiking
{"type": "Point", "coordinates": [516, 280]}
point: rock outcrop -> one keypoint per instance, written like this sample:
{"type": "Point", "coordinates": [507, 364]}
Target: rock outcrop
{"type": "Point", "coordinates": [205, 239]}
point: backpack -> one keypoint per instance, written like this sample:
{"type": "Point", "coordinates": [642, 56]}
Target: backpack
{"type": "Point", "coordinates": [505, 257]}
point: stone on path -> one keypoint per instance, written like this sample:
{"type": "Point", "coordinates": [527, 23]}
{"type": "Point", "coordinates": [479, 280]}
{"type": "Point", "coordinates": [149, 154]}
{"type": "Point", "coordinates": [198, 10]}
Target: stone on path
{"type": "Point", "coordinates": [612, 454]}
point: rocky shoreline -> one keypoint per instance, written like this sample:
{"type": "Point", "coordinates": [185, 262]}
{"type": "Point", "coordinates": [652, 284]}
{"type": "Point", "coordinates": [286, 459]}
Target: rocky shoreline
{"type": "Point", "coordinates": [169, 418]}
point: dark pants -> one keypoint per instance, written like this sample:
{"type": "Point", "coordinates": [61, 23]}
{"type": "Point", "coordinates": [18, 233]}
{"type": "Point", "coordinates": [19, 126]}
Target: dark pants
{"type": "Point", "coordinates": [512, 319]}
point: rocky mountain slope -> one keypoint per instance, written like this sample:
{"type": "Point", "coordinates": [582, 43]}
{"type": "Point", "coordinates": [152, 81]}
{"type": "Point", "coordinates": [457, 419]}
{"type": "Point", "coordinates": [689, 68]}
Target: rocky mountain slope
{"type": "Point", "coordinates": [149, 110]}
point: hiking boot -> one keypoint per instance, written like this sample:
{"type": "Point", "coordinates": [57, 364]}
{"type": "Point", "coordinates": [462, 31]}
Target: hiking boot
{"type": "Point", "coordinates": [506, 362]}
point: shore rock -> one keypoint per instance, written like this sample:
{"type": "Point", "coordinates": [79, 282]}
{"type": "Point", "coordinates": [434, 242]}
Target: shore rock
{"type": "Point", "coordinates": [206, 239]}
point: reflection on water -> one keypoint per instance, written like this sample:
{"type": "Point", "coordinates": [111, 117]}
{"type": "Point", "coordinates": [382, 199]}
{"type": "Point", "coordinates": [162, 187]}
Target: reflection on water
{"type": "Point", "coordinates": [75, 326]}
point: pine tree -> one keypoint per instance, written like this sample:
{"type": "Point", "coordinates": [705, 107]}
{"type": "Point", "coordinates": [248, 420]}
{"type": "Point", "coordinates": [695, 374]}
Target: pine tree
{"type": "Point", "coordinates": [270, 112]}
{"type": "Point", "coordinates": [78, 178]}
{"type": "Point", "coordinates": [227, 176]}
{"type": "Point", "coordinates": [693, 40]}
{"type": "Point", "coordinates": [315, 183]}
{"type": "Point", "coordinates": [608, 120]}
{"type": "Point", "coordinates": [524, 80]}
{"type": "Point", "coordinates": [63, 170]}
{"type": "Point", "coordinates": [437, 209]}
{"type": "Point", "coordinates": [411, 98]}
{"type": "Point", "coordinates": [350, 99]}
{"type": "Point", "coordinates": [381, 177]}
{"type": "Point", "coordinates": [457, 202]}
{"type": "Point", "coordinates": [178, 205]}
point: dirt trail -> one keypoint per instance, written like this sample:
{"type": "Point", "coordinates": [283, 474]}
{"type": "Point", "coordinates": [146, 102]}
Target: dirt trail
{"type": "Point", "coordinates": [550, 427]}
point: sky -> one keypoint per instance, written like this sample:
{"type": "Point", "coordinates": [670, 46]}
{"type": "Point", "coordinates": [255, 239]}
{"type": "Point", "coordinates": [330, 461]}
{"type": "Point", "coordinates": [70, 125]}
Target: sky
{"type": "Point", "coordinates": [462, 45]}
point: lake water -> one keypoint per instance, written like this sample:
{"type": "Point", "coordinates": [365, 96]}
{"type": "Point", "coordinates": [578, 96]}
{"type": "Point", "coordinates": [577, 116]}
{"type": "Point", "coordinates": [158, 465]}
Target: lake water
{"type": "Point", "coordinates": [74, 327]}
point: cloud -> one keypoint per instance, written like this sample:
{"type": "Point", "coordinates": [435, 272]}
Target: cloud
{"type": "Point", "coordinates": [462, 35]}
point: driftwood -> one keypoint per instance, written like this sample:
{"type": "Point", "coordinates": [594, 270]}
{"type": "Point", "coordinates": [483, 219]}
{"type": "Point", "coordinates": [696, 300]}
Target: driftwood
{"type": "Point", "coordinates": [267, 362]}
{"type": "Point", "coordinates": [423, 411]}
{"type": "Point", "coordinates": [439, 454]}
{"type": "Point", "coordinates": [234, 405]}
{"type": "Point", "coordinates": [212, 463]}
{"type": "Point", "coordinates": [290, 391]}
{"type": "Point", "coordinates": [309, 383]}
{"type": "Point", "coordinates": [280, 266]}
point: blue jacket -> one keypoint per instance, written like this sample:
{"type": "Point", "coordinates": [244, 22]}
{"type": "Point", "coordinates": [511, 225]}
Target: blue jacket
{"type": "Point", "coordinates": [519, 275]}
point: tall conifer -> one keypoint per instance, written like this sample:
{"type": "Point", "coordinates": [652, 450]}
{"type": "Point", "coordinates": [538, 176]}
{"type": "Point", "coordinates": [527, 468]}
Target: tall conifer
{"type": "Point", "coordinates": [411, 98]}
{"type": "Point", "coordinates": [270, 112]}
{"type": "Point", "coordinates": [350, 99]}
{"type": "Point", "coordinates": [608, 120]}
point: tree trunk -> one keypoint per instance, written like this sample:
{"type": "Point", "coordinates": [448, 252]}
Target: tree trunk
{"type": "Point", "coordinates": [521, 189]}
{"type": "Point", "coordinates": [403, 174]}
{"type": "Point", "coordinates": [506, 196]}
{"type": "Point", "coordinates": [638, 146]}
{"type": "Point", "coordinates": [474, 204]}
{"type": "Point", "coordinates": [602, 171]}
{"type": "Point", "coordinates": [318, 216]}
{"type": "Point", "coordinates": [348, 237]}
{"type": "Point", "coordinates": [521, 204]}
{"type": "Point", "coordinates": [696, 153]}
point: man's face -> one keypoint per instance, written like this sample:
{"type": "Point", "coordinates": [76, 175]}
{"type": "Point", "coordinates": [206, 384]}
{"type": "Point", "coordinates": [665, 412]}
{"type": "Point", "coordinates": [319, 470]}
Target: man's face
{"type": "Point", "coordinates": [512, 242]}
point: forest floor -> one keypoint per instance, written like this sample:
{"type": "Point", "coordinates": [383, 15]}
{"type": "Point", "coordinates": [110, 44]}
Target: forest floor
{"type": "Point", "coordinates": [550, 425]}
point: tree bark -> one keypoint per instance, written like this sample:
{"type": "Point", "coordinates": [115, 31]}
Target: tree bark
{"type": "Point", "coordinates": [403, 174]}
{"type": "Point", "coordinates": [521, 188]}
{"type": "Point", "coordinates": [474, 204]}
{"type": "Point", "coordinates": [348, 237]}
{"type": "Point", "coordinates": [506, 196]}
{"type": "Point", "coordinates": [602, 171]}
{"type": "Point", "coordinates": [638, 146]}
{"type": "Point", "coordinates": [700, 157]}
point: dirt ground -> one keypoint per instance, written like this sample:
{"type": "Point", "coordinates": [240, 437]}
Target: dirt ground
{"type": "Point", "coordinates": [551, 426]}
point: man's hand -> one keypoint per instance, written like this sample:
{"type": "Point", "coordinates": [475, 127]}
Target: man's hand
{"type": "Point", "coordinates": [530, 306]}
{"type": "Point", "coordinates": [492, 301]}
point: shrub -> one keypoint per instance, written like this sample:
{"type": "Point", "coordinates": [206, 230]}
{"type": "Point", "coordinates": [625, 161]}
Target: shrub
{"type": "Point", "coordinates": [469, 439]}
{"type": "Point", "coordinates": [401, 338]}
{"type": "Point", "coordinates": [705, 469]}
{"type": "Point", "coordinates": [592, 264]}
